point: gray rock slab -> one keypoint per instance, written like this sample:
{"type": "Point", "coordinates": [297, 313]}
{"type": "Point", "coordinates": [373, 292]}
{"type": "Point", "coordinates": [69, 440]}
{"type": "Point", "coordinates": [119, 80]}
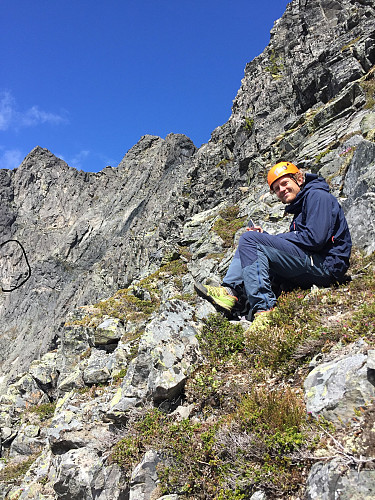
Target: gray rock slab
{"type": "Point", "coordinates": [168, 351]}
{"type": "Point", "coordinates": [359, 188]}
{"type": "Point", "coordinates": [333, 480]}
{"type": "Point", "coordinates": [335, 389]}
{"type": "Point", "coordinates": [144, 477]}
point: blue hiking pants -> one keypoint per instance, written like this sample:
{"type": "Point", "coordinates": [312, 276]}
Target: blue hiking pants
{"type": "Point", "coordinates": [261, 257]}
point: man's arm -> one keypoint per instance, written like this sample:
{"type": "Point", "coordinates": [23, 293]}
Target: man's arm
{"type": "Point", "coordinates": [320, 210]}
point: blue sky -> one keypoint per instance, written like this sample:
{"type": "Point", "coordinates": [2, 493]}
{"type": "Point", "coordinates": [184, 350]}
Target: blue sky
{"type": "Point", "coordinates": [87, 79]}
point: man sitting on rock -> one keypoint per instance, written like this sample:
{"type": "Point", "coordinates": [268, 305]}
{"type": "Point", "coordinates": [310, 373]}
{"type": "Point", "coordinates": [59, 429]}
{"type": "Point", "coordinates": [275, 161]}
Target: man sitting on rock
{"type": "Point", "coordinates": [315, 251]}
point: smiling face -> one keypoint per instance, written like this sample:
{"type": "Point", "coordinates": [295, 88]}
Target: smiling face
{"type": "Point", "coordinates": [286, 188]}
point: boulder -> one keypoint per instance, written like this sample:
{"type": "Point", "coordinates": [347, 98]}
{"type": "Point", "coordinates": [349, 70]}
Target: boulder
{"type": "Point", "coordinates": [109, 331]}
{"type": "Point", "coordinates": [98, 368]}
{"type": "Point", "coordinates": [143, 482]}
{"type": "Point", "coordinates": [81, 474]}
{"type": "Point", "coordinates": [337, 388]}
{"type": "Point", "coordinates": [335, 479]}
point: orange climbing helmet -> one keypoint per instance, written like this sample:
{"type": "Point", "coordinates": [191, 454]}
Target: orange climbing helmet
{"type": "Point", "coordinates": [280, 169]}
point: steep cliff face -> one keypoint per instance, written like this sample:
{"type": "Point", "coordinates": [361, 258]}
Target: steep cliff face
{"type": "Point", "coordinates": [107, 322]}
{"type": "Point", "coordinates": [318, 49]}
{"type": "Point", "coordinates": [85, 234]}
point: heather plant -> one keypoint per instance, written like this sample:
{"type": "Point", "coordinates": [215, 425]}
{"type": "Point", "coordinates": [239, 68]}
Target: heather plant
{"type": "Point", "coordinates": [220, 339]}
{"type": "Point", "coordinates": [291, 323]}
{"type": "Point", "coordinates": [270, 411]}
{"type": "Point", "coordinates": [263, 433]}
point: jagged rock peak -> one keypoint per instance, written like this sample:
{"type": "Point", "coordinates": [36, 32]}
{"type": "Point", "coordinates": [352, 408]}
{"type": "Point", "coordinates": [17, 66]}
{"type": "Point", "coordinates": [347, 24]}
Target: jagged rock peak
{"type": "Point", "coordinates": [40, 158]}
{"type": "Point", "coordinates": [317, 47]}
{"type": "Point", "coordinates": [174, 149]}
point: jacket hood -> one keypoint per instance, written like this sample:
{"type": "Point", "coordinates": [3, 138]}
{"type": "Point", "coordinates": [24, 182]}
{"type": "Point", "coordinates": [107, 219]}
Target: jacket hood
{"type": "Point", "coordinates": [312, 181]}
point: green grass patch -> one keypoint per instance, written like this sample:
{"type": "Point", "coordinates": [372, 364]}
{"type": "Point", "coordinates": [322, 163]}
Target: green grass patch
{"type": "Point", "coordinates": [220, 339]}
{"type": "Point", "coordinates": [228, 224]}
{"type": "Point", "coordinates": [13, 472]}
{"type": "Point", "coordinates": [44, 411]}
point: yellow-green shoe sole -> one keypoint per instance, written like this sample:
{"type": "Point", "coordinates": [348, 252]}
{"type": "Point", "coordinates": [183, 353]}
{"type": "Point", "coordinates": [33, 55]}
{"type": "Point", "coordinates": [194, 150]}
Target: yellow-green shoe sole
{"type": "Point", "coordinates": [202, 292]}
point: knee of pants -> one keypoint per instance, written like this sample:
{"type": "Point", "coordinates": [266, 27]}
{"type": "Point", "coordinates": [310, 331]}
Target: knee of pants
{"type": "Point", "coordinates": [248, 240]}
{"type": "Point", "coordinates": [249, 236]}
{"type": "Point", "coordinates": [248, 247]}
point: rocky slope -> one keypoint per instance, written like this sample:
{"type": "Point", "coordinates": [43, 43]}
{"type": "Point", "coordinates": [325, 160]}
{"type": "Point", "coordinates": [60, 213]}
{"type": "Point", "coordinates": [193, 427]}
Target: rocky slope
{"type": "Point", "coordinates": [107, 323]}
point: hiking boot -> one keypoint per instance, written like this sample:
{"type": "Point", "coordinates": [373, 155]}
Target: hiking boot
{"type": "Point", "coordinates": [261, 319]}
{"type": "Point", "coordinates": [218, 295]}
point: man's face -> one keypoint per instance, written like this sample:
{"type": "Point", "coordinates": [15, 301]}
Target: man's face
{"type": "Point", "coordinates": [286, 189]}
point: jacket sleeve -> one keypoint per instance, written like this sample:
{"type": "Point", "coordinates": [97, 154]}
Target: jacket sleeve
{"type": "Point", "coordinates": [314, 228]}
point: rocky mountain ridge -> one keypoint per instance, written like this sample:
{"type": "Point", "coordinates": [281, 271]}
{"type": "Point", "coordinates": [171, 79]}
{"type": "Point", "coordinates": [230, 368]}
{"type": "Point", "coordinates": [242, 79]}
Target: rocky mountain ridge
{"type": "Point", "coordinates": [114, 255]}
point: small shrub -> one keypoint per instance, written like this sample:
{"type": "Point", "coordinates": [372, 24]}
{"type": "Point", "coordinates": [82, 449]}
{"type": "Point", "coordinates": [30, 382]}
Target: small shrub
{"type": "Point", "coordinates": [127, 452]}
{"type": "Point", "coordinates": [44, 410]}
{"type": "Point", "coordinates": [228, 224]}
{"type": "Point", "coordinates": [369, 88]}
{"type": "Point", "coordinates": [12, 473]}
{"type": "Point", "coordinates": [249, 124]}
{"type": "Point", "coordinates": [223, 162]}
{"type": "Point", "coordinates": [271, 411]}
{"type": "Point", "coordinates": [119, 376]}
{"type": "Point", "coordinates": [203, 387]}
{"type": "Point", "coordinates": [231, 495]}
{"type": "Point", "coordinates": [220, 339]}
{"type": "Point", "coordinates": [276, 65]}
{"type": "Point", "coordinates": [290, 324]}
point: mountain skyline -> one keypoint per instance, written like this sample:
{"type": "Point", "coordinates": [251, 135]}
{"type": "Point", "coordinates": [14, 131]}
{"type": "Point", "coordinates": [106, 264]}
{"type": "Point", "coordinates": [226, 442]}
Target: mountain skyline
{"type": "Point", "coordinates": [87, 81]}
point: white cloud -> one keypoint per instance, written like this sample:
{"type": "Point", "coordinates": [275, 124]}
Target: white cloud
{"type": "Point", "coordinates": [34, 116]}
{"type": "Point", "coordinates": [78, 159]}
{"type": "Point", "coordinates": [11, 117]}
{"type": "Point", "coordinates": [6, 110]}
{"type": "Point", "coordinates": [10, 158]}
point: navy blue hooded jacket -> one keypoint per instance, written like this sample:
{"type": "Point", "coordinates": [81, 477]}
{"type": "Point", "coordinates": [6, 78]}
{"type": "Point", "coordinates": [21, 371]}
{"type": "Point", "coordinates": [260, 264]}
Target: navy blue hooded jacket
{"type": "Point", "coordinates": [319, 225]}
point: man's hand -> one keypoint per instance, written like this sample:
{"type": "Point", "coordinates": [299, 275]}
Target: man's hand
{"type": "Point", "coordinates": [255, 228]}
